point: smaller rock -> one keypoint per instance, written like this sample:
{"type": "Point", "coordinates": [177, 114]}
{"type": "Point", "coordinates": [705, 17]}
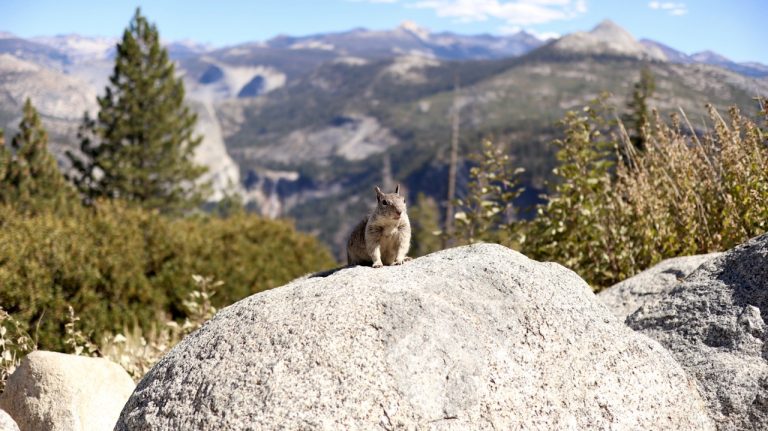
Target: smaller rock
{"type": "Point", "coordinates": [626, 297]}
{"type": "Point", "coordinates": [58, 392]}
{"type": "Point", "coordinates": [6, 422]}
{"type": "Point", "coordinates": [713, 323]}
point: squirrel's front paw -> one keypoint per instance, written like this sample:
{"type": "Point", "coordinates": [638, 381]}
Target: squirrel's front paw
{"type": "Point", "coordinates": [377, 264]}
{"type": "Point", "coordinates": [402, 261]}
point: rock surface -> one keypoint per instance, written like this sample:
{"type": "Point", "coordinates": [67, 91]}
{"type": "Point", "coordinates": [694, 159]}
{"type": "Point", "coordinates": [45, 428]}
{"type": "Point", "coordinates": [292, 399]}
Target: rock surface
{"type": "Point", "coordinates": [647, 287]}
{"type": "Point", "coordinates": [58, 392]}
{"type": "Point", "coordinates": [476, 337]}
{"type": "Point", "coordinates": [6, 422]}
{"type": "Point", "coordinates": [714, 324]}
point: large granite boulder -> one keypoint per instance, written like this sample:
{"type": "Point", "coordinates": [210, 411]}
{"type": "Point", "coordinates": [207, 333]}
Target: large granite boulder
{"type": "Point", "coordinates": [6, 422]}
{"type": "Point", "coordinates": [477, 337]}
{"type": "Point", "coordinates": [714, 324]}
{"type": "Point", "coordinates": [647, 287]}
{"type": "Point", "coordinates": [58, 392]}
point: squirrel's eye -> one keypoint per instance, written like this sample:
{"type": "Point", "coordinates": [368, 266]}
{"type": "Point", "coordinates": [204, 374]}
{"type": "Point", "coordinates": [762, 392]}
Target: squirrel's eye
{"type": "Point", "coordinates": [385, 203]}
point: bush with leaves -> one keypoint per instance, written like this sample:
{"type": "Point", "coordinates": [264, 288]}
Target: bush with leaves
{"type": "Point", "coordinates": [247, 252]}
{"type": "Point", "coordinates": [574, 227]}
{"type": "Point", "coordinates": [486, 212]}
{"type": "Point", "coordinates": [617, 210]}
{"type": "Point", "coordinates": [118, 265]}
{"type": "Point", "coordinates": [91, 259]}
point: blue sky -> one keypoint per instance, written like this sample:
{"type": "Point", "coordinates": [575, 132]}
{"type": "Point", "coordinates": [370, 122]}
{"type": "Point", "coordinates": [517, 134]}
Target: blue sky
{"type": "Point", "coordinates": [735, 28]}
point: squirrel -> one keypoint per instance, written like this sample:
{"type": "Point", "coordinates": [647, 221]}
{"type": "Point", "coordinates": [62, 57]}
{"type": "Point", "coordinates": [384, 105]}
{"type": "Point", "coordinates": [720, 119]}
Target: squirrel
{"type": "Point", "coordinates": [384, 236]}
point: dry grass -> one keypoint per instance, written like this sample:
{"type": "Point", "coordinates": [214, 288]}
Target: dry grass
{"type": "Point", "coordinates": [15, 343]}
{"type": "Point", "coordinates": [136, 349]}
{"type": "Point", "coordinates": [689, 192]}
{"type": "Point", "coordinates": [619, 210]}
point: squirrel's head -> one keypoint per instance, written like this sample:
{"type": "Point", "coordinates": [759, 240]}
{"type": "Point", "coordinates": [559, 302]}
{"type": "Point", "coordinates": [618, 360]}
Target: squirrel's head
{"type": "Point", "coordinates": [390, 205]}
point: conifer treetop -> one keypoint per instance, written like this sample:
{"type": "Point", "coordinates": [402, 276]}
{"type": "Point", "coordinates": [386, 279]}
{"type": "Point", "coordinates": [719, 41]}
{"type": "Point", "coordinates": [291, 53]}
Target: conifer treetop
{"type": "Point", "coordinates": [31, 179]}
{"type": "Point", "coordinates": [140, 147]}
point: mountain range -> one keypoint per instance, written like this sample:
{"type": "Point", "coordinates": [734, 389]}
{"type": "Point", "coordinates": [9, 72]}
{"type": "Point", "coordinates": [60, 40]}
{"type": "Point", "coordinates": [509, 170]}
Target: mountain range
{"type": "Point", "coordinates": [305, 126]}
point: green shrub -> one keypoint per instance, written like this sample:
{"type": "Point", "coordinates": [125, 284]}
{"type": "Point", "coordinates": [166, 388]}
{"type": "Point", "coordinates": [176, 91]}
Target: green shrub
{"type": "Point", "coordinates": [248, 253]}
{"type": "Point", "coordinates": [117, 265]}
{"type": "Point", "coordinates": [617, 210]}
{"type": "Point", "coordinates": [486, 212]}
{"type": "Point", "coordinates": [575, 225]}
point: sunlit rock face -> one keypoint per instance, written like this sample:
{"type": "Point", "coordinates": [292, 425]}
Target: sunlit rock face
{"type": "Point", "coordinates": [476, 337]}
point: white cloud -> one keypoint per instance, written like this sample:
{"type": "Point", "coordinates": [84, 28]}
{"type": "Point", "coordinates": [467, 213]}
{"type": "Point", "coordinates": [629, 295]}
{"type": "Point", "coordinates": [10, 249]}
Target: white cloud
{"type": "Point", "coordinates": [514, 15]}
{"type": "Point", "coordinates": [675, 9]}
{"type": "Point", "coordinates": [678, 12]}
{"type": "Point", "coordinates": [517, 12]}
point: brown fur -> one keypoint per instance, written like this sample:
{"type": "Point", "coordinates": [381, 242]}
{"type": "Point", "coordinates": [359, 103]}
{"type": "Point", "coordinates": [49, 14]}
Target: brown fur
{"type": "Point", "coordinates": [384, 236]}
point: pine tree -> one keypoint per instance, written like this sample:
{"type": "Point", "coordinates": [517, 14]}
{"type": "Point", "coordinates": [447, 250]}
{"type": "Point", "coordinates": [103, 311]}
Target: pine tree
{"type": "Point", "coordinates": [140, 148]}
{"type": "Point", "coordinates": [32, 179]}
{"type": "Point", "coordinates": [639, 116]}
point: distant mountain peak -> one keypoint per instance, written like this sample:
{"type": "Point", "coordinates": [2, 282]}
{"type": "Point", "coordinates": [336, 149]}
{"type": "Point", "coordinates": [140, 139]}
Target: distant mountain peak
{"type": "Point", "coordinates": [522, 32]}
{"type": "Point", "coordinates": [710, 57]}
{"type": "Point", "coordinates": [752, 69]}
{"type": "Point", "coordinates": [609, 30]}
{"type": "Point", "coordinates": [415, 29]}
{"type": "Point", "coordinates": [607, 24]}
{"type": "Point", "coordinates": [607, 38]}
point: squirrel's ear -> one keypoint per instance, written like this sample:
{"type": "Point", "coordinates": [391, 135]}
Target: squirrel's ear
{"type": "Point", "coordinates": [378, 192]}
{"type": "Point", "coordinates": [397, 189]}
